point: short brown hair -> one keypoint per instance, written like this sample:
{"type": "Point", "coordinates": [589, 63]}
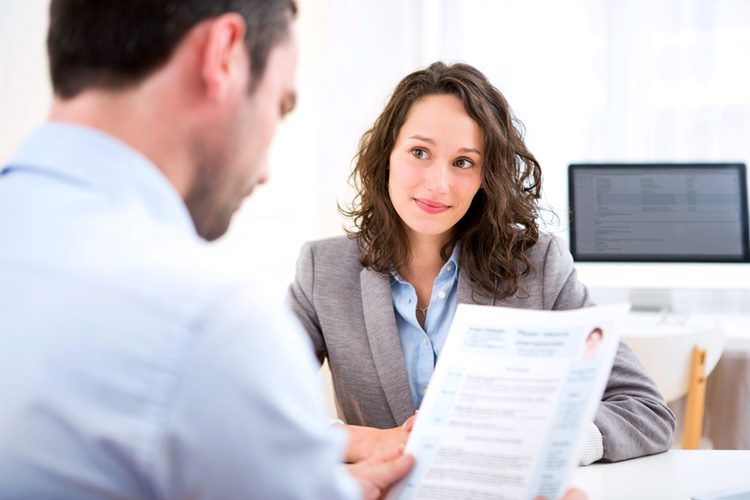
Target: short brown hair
{"type": "Point", "coordinates": [500, 225]}
{"type": "Point", "coordinates": [115, 44]}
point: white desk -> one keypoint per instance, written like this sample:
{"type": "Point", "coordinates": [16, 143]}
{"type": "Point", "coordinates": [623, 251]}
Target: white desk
{"type": "Point", "coordinates": [665, 275]}
{"type": "Point", "coordinates": [676, 474]}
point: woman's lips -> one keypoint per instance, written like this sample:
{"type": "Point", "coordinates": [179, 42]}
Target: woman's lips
{"type": "Point", "coordinates": [430, 206]}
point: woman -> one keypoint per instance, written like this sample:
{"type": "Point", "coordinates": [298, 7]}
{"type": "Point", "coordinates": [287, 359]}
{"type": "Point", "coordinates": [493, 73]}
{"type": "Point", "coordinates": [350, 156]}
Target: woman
{"type": "Point", "coordinates": [446, 213]}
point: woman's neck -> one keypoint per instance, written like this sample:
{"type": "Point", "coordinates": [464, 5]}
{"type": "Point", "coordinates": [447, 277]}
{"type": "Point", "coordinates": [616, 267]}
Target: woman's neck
{"type": "Point", "coordinates": [426, 260]}
{"type": "Point", "coordinates": [421, 271]}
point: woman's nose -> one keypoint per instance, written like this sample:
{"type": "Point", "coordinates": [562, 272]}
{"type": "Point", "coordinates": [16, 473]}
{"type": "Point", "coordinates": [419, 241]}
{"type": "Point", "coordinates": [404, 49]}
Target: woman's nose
{"type": "Point", "coordinates": [438, 177]}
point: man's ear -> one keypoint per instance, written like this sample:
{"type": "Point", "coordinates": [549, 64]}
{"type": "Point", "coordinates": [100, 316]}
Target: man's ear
{"type": "Point", "coordinates": [224, 61]}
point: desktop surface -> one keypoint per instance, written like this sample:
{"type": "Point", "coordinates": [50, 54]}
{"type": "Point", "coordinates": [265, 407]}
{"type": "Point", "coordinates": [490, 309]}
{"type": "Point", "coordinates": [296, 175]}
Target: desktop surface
{"type": "Point", "coordinates": [676, 474]}
{"type": "Point", "coordinates": [665, 275]}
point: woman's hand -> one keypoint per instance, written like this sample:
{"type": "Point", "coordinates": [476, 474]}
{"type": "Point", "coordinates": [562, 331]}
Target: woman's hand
{"type": "Point", "coordinates": [377, 474]}
{"type": "Point", "coordinates": [366, 442]}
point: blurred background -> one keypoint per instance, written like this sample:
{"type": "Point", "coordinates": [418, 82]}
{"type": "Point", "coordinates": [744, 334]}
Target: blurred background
{"type": "Point", "coordinates": [591, 80]}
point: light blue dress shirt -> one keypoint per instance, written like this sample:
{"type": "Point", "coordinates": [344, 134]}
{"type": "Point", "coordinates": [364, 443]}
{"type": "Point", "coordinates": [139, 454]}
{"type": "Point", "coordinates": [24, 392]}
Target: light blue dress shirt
{"type": "Point", "coordinates": [133, 363]}
{"type": "Point", "coordinates": [422, 346]}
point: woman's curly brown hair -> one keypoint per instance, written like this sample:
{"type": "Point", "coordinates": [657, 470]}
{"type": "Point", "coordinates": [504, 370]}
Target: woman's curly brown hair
{"type": "Point", "coordinates": [500, 225]}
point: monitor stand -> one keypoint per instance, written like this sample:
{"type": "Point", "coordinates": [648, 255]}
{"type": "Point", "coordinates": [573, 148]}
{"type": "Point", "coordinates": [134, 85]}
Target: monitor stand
{"type": "Point", "coordinates": [654, 300]}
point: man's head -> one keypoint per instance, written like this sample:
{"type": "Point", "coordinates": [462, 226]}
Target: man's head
{"type": "Point", "coordinates": [216, 76]}
{"type": "Point", "coordinates": [116, 44]}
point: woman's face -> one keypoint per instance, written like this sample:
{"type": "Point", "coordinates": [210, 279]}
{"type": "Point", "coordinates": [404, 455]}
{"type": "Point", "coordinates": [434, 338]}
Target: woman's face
{"type": "Point", "coordinates": [435, 166]}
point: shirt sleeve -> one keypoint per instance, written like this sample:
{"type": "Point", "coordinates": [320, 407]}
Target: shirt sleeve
{"type": "Point", "coordinates": [248, 417]}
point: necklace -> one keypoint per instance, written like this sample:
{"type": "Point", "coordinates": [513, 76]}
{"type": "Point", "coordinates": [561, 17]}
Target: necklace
{"type": "Point", "coordinates": [423, 310]}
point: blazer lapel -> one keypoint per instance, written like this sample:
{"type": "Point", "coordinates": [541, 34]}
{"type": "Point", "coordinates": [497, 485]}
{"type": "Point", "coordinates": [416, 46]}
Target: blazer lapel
{"type": "Point", "coordinates": [380, 321]}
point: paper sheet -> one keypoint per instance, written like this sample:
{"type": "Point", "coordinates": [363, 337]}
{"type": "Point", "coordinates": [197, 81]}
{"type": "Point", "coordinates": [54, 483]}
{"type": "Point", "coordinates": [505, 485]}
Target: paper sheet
{"type": "Point", "coordinates": [507, 406]}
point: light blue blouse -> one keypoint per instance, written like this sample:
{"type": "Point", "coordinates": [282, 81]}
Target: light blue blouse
{"type": "Point", "coordinates": [422, 346]}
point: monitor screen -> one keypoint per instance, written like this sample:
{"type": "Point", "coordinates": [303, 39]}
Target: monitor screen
{"type": "Point", "coordinates": [694, 212]}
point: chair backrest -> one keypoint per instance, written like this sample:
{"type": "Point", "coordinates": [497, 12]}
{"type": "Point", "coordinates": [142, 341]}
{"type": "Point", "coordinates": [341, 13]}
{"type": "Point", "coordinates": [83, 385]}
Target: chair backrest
{"type": "Point", "coordinates": [664, 345]}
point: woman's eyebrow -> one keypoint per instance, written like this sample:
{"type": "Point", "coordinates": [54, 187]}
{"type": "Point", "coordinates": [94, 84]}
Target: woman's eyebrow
{"type": "Point", "coordinates": [422, 138]}
{"type": "Point", "coordinates": [470, 150]}
{"type": "Point", "coordinates": [459, 150]}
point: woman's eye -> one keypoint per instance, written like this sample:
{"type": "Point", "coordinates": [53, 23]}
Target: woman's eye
{"type": "Point", "coordinates": [419, 153]}
{"type": "Point", "coordinates": [463, 163]}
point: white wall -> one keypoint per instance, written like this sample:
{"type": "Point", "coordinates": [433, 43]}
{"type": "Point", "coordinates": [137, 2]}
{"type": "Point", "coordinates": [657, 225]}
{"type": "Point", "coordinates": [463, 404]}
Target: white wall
{"type": "Point", "coordinates": [590, 79]}
{"type": "Point", "coordinates": [25, 93]}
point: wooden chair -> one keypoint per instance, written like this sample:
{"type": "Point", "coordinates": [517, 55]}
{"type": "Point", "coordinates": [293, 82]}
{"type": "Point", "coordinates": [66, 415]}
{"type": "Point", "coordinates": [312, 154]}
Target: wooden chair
{"type": "Point", "coordinates": [679, 355]}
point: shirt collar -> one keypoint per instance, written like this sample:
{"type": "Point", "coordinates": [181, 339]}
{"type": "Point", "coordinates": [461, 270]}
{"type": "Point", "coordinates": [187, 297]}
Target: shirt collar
{"type": "Point", "coordinates": [450, 268]}
{"type": "Point", "coordinates": [93, 158]}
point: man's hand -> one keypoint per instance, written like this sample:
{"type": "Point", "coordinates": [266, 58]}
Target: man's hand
{"type": "Point", "coordinates": [376, 475]}
{"type": "Point", "coordinates": [366, 442]}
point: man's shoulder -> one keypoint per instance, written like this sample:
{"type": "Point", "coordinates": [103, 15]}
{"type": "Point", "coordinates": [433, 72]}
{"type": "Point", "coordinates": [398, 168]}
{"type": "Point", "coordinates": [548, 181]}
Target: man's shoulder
{"type": "Point", "coordinates": [172, 271]}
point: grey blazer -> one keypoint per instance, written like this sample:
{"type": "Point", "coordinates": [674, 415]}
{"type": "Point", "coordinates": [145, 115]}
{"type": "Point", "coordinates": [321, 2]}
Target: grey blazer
{"type": "Point", "coordinates": [348, 312]}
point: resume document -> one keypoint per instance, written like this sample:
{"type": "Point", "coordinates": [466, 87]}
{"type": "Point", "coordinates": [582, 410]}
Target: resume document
{"type": "Point", "coordinates": [508, 405]}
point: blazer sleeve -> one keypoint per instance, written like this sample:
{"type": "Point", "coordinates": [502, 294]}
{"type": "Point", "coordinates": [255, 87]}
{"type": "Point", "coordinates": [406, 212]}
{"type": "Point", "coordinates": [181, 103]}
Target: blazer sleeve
{"type": "Point", "coordinates": [633, 417]}
{"type": "Point", "coordinates": [300, 299]}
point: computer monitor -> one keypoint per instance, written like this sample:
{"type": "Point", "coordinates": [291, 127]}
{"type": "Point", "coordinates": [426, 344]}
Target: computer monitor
{"type": "Point", "coordinates": [657, 212]}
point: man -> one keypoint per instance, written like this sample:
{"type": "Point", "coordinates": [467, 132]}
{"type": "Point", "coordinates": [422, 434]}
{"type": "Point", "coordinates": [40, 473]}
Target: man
{"type": "Point", "coordinates": [132, 364]}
